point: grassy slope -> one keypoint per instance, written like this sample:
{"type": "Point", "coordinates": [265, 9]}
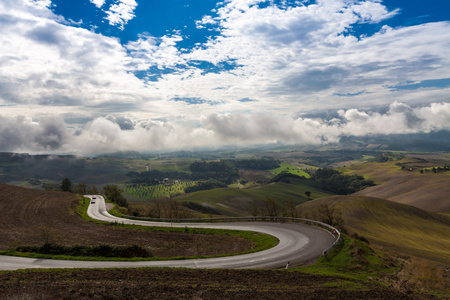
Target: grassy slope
{"type": "Point", "coordinates": [291, 169]}
{"type": "Point", "coordinates": [396, 226]}
{"type": "Point", "coordinates": [427, 191]}
{"type": "Point", "coordinates": [235, 202]}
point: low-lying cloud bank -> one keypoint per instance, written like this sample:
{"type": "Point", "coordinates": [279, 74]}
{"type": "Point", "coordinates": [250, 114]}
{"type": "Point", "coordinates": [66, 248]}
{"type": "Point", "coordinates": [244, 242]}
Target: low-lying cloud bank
{"type": "Point", "coordinates": [122, 133]}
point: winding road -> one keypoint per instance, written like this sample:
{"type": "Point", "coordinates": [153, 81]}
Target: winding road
{"type": "Point", "coordinates": [298, 243]}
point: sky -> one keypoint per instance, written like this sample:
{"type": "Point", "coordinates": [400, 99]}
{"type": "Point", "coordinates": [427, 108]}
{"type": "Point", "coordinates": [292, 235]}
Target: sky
{"type": "Point", "coordinates": [96, 76]}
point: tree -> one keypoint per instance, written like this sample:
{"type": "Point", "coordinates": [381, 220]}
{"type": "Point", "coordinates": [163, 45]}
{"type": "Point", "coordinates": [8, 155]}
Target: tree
{"type": "Point", "coordinates": [114, 193]}
{"type": "Point", "coordinates": [92, 189]}
{"type": "Point", "coordinates": [290, 209]}
{"type": "Point", "coordinates": [272, 207]}
{"type": "Point", "coordinates": [82, 188]}
{"type": "Point", "coordinates": [331, 216]}
{"type": "Point", "coordinates": [253, 208]}
{"type": "Point", "coordinates": [66, 185]}
{"type": "Point", "coordinates": [308, 194]}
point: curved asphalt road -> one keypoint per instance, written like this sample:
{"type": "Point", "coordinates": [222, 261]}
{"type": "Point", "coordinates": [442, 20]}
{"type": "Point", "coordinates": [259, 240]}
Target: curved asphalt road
{"type": "Point", "coordinates": [298, 243]}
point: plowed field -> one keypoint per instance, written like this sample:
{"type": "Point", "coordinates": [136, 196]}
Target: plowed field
{"type": "Point", "coordinates": [187, 284]}
{"type": "Point", "coordinates": [30, 217]}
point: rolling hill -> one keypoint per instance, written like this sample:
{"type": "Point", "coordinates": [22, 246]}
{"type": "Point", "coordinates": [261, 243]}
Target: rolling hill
{"type": "Point", "coordinates": [429, 191]}
{"type": "Point", "coordinates": [399, 227]}
{"type": "Point", "coordinates": [236, 202]}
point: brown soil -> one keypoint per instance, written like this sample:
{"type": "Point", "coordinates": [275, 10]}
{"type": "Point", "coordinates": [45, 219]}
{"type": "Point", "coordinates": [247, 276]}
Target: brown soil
{"type": "Point", "coordinates": [32, 217]}
{"type": "Point", "coordinates": [427, 191]}
{"type": "Point", "coordinates": [187, 284]}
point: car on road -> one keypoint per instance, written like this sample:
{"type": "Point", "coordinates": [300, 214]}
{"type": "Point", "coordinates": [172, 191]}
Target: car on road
{"type": "Point", "coordinates": [92, 201]}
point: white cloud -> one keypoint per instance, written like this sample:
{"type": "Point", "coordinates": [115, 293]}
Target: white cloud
{"type": "Point", "coordinates": [122, 12]}
{"type": "Point", "coordinates": [98, 3]}
{"type": "Point", "coordinates": [39, 3]}
{"type": "Point", "coordinates": [206, 20]}
{"type": "Point", "coordinates": [288, 59]}
{"type": "Point", "coordinates": [149, 51]}
{"type": "Point", "coordinates": [121, 133]}
{"type": "Point", "coordinates": [49, 64]}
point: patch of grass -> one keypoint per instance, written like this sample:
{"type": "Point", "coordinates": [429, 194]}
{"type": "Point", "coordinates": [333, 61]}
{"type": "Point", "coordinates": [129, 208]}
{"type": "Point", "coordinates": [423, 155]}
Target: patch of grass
{"type": "Point", "coordinates": [290, 169]}
{"type": "Point", "coordinates": [355, 262]}
{"type": "Point", "coordinates": [354, 259]}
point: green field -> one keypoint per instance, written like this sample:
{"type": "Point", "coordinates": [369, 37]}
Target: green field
{"type": "Point", "coordinates": [144, 192]}
{"type": "Point", "coordinates": [290, 169]}
{"type": "Point", "coordinates": [236, 202]}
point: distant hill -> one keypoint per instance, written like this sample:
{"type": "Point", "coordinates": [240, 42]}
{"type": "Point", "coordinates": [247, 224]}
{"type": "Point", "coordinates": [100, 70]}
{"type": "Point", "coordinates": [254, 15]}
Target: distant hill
{"type": "Point", "coordinates": [237, 202]}
{"type": "Point", "coordinates": [395, 226]}
{"type": "Point", "coordinates": [17, 169]}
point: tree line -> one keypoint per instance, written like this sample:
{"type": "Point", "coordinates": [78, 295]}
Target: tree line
{"type": "Point", "coordinates": [112, 192]}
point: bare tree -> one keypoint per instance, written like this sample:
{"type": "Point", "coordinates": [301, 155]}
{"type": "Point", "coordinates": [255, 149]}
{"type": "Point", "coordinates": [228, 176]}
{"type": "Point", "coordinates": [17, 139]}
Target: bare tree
{"type": "Point", "coordinates": [272, 207]}
{"type": "Point", "coordinates": [291, 210]}
{"type": "Point", "coordinates": [176, 210]}
{"type": "Point", "coordinates": [330, 216]}
{"type": "Point", "coordinates": [253, 208]}
{"type": "Point", "coordinates": [156, 209]}
{"type": "Point", "coordinates": [82, 188]}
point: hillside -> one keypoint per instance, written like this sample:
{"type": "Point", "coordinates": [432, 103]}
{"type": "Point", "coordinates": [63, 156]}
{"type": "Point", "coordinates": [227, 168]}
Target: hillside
{"type": "Point", "coordinates": [32, 217]}
{"type": "Point", "coordinates": [395, 226]}
{"type": "Point", "coordinates": [429, 191]}
{"type": "Point", "coordinates": [238, 202]}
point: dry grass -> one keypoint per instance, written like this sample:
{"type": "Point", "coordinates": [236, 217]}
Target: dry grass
{"type": "Point", "coordinates": [395, 226]}
{"type": "Point", "coordinates": [429, 191]}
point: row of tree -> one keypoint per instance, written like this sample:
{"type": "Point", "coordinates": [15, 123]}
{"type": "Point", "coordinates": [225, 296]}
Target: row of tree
{"type": "Point", "coordinates": [112, 192]}
{"type": "Point", "coordinates": [335, 182]}
{"type": "Point", "coordinates": [225, 171]}
{"type": "Point", "coordinates": [80, 188]}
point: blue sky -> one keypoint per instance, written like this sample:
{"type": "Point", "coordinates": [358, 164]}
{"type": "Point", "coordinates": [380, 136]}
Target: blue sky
{"type": "Point", "coordinates": [93, 76]}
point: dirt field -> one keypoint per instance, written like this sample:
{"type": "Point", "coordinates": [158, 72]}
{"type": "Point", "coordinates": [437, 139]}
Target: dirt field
{"type": "Point", "coordinates": [427, 191]}
{"type": "Point", "coordinates": [187, 284]}
{"type": "Point", "coordinates": [30, 217]}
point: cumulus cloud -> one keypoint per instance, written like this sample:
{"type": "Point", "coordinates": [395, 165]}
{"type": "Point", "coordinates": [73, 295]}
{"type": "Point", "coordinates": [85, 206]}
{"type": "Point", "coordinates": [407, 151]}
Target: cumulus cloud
{"type": "Point", "coordinates": [205, 21]}
{"type": "Point", "coordinates": [121, 133]}
{"type": "Point", "coordinates": [290, 58]}
{"type": "Point", "coordinates": [149, 51]}
{"type": "Point", "coordinates": [45, 62]}
{"type": "Point", "coordinates": [21, 134]}
{"type": "Point", "coordinates": [292, 53]}
{"type": "Point", "coordinates": [121, 12]}
{"type": "Point", "coordinates": [98, 3]}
